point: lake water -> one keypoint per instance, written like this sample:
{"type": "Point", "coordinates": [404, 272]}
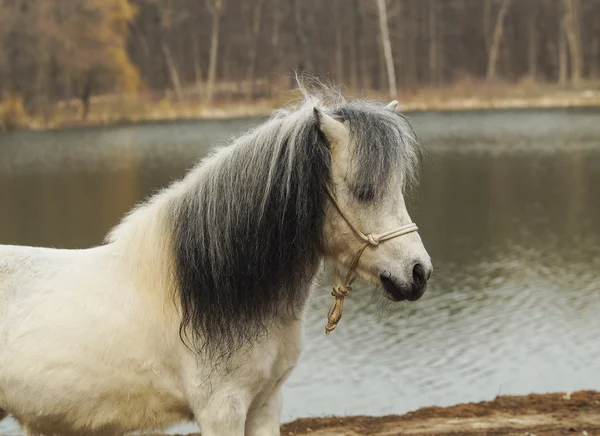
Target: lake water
{"type": "Point", "coordinates": [509, 209]}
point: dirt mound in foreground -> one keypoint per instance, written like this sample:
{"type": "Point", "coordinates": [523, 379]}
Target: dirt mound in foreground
{"type": "Point", "coordinates": [531, 415]}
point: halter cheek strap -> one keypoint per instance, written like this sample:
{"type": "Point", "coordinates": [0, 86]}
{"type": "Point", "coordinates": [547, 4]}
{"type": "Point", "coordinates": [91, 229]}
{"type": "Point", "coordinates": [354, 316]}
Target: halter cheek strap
{"type": "Point", "coordinates": [343, 288]}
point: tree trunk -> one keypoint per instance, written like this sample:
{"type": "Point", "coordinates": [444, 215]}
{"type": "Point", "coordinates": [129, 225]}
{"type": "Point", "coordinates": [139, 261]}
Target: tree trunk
{"type": "Point", "coordinates": [256, 25]}
{"type": "Point", "coordinates": [381, 81]}
{"type": "Point", "coordinates": [141, 42]}
{"type": "Point", "coordinates": [339, 41]}
{"type": "Point", "coordinates": [409, 22]}
{"type": "Point", "coordinates": [363, 46]}
{"type": "Point", "coordinates": [497, 38]}
{"type": "Point", "coordinates": [387, 49]}
{"type": "Point", "coordinates": [4, 84]}
{"type": "Point", "coordinates": [352, 42]}
{"type": "Point", "coordinates": [574, 40]}
{"type": "Point", "coordinates": [173, 73]}
{"type": "Point", "coordinates": [277, 18]}
{"type": "Point", "coordinates": [433, 49]}
{"type": "Point", "coordinates": [226, 61]}
{"type": "Point", "coordinates": [305, 62]}
{"type": "Point", "coordinates": [441, 36]}
{"type": "Point", "coordinates": [595, 55]}
{"type": "Point", "coordinates": [41, 84]}
{"type": "Point", "coordinates": [532, 46]}
{"type": "Point", "coordinates": [215, 9]}
{"type": "Point", "coordinates": [86, 96]}
{"type": "Point", "coordinates": [278, 59]}
{"type": "Point", "coordinates": [562, 55]}
{"type": "Point", "coordinates": [198, 77]}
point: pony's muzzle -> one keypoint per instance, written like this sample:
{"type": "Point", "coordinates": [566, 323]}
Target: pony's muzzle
{"type": "Point", "coordinates": [411, 290]}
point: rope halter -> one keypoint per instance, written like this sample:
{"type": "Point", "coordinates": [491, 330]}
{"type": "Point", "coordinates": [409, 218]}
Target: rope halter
{"type": "Point", "coordinates": [342, 288]}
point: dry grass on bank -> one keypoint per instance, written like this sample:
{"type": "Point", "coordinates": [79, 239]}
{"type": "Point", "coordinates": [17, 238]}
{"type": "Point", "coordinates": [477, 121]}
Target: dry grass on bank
{"type": "Point", "coordinates": [470, 94]}
{"type": "Point", "coordinates": [463, 95]}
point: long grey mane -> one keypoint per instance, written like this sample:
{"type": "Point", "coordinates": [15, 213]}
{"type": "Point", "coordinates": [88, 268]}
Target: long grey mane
{"type": "Point", "coordinates": [248, 231]}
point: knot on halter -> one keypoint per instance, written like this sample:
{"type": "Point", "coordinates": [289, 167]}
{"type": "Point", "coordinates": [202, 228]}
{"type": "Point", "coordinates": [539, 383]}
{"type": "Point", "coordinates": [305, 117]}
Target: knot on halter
{"type": "Point", "coordinates": [337, 307]}
{"type": "Point", "coordinates": [341, 291]}
{"type": "Point", "coordinates": [372, 240]}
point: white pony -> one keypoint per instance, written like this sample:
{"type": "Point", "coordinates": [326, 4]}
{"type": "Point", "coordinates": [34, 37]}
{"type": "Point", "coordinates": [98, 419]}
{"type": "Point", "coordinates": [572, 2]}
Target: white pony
{"type": "Point", "coordinates": [192, 309]}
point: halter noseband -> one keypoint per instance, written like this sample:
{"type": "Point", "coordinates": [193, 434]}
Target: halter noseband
{"type": "Point", "coordinates": [341, 289]}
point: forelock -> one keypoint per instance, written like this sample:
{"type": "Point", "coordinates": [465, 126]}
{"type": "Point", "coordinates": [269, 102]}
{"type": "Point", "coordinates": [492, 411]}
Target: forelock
{"type": "Point", "coordinates": [383, 144]}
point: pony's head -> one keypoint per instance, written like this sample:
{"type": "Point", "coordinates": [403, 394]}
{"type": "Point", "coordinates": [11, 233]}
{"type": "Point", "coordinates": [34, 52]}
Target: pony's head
{"type": "Point", "coordinates": [374, 156]}
{"type": "Point", "coordinates": [251, 224]}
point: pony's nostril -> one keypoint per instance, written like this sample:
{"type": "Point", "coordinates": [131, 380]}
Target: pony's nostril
{"type": "Point", "coordinates": [420, 276]}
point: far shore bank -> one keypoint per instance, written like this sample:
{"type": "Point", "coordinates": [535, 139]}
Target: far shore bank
{"type": "Point", "coordinates": [554, 414]}
{"type": "Point", "coordinates": [119, 109]}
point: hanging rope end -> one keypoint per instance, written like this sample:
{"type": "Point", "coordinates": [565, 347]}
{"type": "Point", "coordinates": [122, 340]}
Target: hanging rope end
{"type": "Point", "coordinates": [331, 325]}
{"type": "Point", "coordinates": [337, 306]}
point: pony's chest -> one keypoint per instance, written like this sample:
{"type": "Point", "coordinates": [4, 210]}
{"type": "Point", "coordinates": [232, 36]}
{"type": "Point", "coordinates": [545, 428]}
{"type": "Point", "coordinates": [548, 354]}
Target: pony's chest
{"type": "Point", "coordinates": [273, 360]}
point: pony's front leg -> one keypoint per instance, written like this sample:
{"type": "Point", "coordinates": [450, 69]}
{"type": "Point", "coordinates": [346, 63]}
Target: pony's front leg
{"type": "Point", "coordinates": [225, 415]}
{"type": "Point", "coordinates": [264, 420]}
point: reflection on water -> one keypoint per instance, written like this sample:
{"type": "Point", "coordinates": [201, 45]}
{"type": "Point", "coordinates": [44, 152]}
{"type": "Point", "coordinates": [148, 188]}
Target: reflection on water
{"type": "Point", "coordinates": [508, 208]}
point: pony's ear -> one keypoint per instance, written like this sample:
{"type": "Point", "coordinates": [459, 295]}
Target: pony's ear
{"type": "Point", "coordinates": [392, 105]}
{"type": "Point", "coordinates": [334, 129]}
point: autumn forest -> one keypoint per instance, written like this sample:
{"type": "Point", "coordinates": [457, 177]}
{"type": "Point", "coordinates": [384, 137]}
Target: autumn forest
{"type": "Point", "coordinates": [236, 50]}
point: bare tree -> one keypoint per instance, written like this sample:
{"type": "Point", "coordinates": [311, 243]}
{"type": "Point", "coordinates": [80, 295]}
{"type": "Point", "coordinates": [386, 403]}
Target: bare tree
{"type": "Point", "coordinates": [350, 12]}
{"type": "Point", "coordinates": [215, 7]}
{"type": "Point", "coordinates": [167, 23]}
{"type": "Point", "coordinates": [255, 33]}
{"type": "Point", "coordinates": [532, 42]}
{"type": "Point", "coordinates": [563, 61]}
{"type": "Point", "coordinates": [595, 50]}
{"type": "Point", "coordinates": [339, 41]}
{"type": "Point", "coordinates": [497, 38]}
{"type": "Point", "coordinates": [387, 48]}
{"type": "Point", "coordinates": [571, 29]}
{"type": "Point", "coordinates": [433, 40]}
{"type": "Point", "coordinates": [408, 18]}
{"type": "Point", "coordinates": [173, 73]}
{"type": "Point", "coordinates": [54, 50]}
{"type": "Point", "coordinates": [277, 19]}
{"type": "Point", "coordinates": [364, 44]}
{"type": "Point", "coordinates": [305, 62]}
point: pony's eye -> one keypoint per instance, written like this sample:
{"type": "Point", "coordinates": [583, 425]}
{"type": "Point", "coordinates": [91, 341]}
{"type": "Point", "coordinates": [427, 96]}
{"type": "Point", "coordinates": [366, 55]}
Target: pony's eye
{"type": "Point", "coordinates": [364, 193]}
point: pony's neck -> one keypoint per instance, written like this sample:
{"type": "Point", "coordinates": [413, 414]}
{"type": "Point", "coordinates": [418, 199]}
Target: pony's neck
{"type": "Point", "coordinates": [239, 239]}
{"type": "Point", "coordinates": [143, 241]}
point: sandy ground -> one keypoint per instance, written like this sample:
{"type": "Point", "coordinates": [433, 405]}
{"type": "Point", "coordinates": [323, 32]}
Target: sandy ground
{"type": "Point", "coordinates": [530, 415]}
{"type": "Point", "coordinates": [548, 415]}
